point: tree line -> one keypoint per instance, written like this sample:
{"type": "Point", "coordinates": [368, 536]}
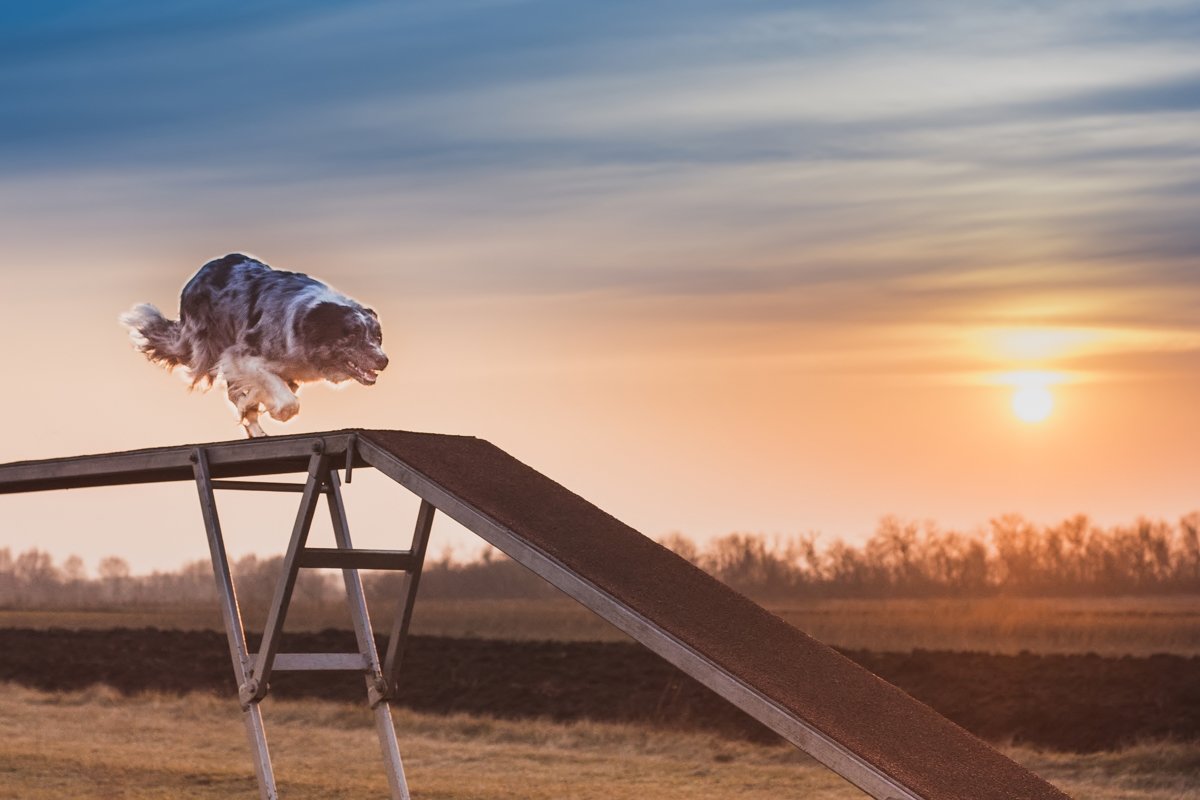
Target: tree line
{"type": "Point", "coordinates": [1011, 555]}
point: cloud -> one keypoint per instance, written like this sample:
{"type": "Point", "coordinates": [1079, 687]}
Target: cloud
{"type": "Point", "coordinates": [319, 88]}
{"type": "Point", "coordinates": [854, 163]}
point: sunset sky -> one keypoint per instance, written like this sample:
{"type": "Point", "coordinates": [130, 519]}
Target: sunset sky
{"type": "Point", "coordinates": [763, 267]}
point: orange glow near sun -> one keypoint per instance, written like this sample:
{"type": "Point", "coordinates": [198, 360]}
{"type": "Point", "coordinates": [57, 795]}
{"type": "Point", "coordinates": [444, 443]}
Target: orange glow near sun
{"type": "Point", "coordinates": [1039, 344]}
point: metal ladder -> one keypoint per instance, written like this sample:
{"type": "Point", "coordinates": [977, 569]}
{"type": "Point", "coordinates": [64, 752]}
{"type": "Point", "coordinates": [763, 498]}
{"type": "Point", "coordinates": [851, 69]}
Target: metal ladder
{"type": "Point", "coordinates": [253, 670]}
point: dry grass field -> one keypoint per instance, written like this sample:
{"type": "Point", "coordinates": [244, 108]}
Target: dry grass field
{"type": "Point", "coordinates": [98, 744]}
{"type": "Point", "coordinates": [1108, 626]}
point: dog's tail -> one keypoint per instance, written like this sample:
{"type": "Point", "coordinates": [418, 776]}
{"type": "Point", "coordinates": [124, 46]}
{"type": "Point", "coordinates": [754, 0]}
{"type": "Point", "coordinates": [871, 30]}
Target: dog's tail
{"type": "Point", "coordinates": [158, 338]}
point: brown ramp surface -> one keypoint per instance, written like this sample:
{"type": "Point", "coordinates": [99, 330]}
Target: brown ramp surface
{"type": "Point", "coordinates": [863, 727]}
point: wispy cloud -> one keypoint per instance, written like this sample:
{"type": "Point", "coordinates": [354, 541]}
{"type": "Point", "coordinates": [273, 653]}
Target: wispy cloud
{"type": "Point", "coordinates": [821, 163]}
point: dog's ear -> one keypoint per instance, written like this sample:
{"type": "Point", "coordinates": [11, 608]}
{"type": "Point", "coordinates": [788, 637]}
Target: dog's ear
{"type": "Point", "coordinates": [325, 322]}
{"type": "Point", "coordinates": [371, 311]}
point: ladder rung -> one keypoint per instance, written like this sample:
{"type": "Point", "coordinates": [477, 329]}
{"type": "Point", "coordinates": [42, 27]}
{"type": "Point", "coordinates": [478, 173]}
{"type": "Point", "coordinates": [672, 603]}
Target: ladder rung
{"type": "Point", "coordinates": [304, 662]}
{"type": "Point", "coordinates": [334, 558]}
{"type": "Point", "coordinates": [261, 486]}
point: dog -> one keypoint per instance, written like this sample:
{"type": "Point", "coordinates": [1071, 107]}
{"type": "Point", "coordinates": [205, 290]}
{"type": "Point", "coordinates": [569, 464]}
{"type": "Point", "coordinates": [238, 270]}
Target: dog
{"type": "Point", "coordinates": [263, 332]}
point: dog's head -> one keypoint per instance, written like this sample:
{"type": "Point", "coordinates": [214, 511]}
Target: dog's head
{"type": "Point", "coordinates": [343, 341]}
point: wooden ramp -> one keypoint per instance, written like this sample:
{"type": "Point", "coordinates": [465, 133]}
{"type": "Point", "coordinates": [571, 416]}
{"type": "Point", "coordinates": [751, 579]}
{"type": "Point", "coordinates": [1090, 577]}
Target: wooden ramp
{"type": "Point", "coordinates": [867, 730]}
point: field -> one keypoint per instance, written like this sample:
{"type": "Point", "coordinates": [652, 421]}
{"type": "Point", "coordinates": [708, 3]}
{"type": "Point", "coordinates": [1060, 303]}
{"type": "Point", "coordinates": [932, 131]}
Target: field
{"type": "Point", "coordinates": [97, 744]}
{"type": "Point", "coordinates": [1106, 626]}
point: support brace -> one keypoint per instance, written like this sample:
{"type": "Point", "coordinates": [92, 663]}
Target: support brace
{"type": "Point", "coordinates": [253, 671]}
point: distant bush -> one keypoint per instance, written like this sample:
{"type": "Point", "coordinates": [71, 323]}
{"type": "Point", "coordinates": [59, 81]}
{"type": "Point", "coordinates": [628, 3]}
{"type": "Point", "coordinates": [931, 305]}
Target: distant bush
{"type": "Point", "coordinates": [901, 559]}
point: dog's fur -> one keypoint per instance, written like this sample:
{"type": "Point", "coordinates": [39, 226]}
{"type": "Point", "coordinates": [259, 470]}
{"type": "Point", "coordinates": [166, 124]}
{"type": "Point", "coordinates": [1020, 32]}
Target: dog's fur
{"type": "Point", "coordinates": [263, 332]}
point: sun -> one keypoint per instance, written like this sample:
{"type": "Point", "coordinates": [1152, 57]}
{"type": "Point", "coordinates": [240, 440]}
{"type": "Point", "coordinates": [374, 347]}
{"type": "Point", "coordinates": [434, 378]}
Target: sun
{"type": "Point", "coordinates": [1032, 391]}
{"type": "Point", "coordinates": [1032, 402]}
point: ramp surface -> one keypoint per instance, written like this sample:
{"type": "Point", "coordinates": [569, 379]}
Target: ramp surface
{"type": "Point", "coordinates": [867, 730]}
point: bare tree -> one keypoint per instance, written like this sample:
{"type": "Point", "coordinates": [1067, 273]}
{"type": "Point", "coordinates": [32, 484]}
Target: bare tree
{"type": "Point", "coordinates": [114, 575]}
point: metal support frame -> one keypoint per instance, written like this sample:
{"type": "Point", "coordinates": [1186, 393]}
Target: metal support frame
{"type": "Point", "coordinates": [253, 670]}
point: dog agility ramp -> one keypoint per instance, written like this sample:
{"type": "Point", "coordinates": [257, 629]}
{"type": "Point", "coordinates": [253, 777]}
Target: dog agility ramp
{"type": "Point", "coordinates": [867, 730]}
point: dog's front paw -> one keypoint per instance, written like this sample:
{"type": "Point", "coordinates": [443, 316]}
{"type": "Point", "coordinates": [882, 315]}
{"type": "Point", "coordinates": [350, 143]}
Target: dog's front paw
{"type": "Point", "coordinates": [285, 411]}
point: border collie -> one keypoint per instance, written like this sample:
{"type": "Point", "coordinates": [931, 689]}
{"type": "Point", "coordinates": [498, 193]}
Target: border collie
{"type": "Point", "coordinates": [263, 332]}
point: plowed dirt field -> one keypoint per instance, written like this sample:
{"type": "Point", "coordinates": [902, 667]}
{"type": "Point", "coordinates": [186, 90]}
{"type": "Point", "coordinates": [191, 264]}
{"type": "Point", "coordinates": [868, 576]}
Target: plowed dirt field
{"type": "Point", "coordinates": [1081, 703]}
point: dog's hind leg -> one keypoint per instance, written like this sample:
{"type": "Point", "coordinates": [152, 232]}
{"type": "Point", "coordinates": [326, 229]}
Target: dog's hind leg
{"type": "Point", "coordinates": [248, 403]}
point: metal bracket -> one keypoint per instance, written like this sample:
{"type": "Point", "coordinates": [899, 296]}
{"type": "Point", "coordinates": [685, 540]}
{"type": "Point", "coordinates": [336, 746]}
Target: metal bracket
{"type": "Point", "coordinates": [248, 693]}
{"type": "Point", "coordinates": [351, 450]}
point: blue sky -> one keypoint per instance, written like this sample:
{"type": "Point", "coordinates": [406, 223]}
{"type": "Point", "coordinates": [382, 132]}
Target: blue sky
{"type": "Point", "coordinates": [580, 217]}
{"type": "Point", "coordinates": [779, 127]}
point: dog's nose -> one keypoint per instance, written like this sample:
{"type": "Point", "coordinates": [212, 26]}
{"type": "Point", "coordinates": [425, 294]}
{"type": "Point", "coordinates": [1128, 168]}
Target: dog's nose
{"type": "Point", "coordinates": [383, 360]}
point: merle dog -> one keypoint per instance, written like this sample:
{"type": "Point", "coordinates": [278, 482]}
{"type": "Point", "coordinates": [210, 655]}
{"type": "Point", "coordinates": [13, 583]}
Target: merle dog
{"type": "Point", "coordinates": [263, 332]}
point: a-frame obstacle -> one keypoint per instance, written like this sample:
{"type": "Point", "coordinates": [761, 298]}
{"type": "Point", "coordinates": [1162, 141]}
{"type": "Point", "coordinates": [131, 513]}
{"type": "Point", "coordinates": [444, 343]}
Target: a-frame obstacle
{"type": "Point", "coordinates": [873, 734]}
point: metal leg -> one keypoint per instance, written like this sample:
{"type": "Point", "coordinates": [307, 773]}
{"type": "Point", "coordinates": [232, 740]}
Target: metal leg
{"type": "Point", "coordinates": [257, 683]}
{"type": "Point", "coordinates": [376, 686]}
{"type": "Point", "coordinates": [355, 597]}
{"type": "Point", "coordinates": [252, 717]}
{"type": "Point", "coordinates": [234, 632]}
{"type": "Point", "coordinates": [391, 751]}
{"type": "Point", "coordinates": [412, 579]}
